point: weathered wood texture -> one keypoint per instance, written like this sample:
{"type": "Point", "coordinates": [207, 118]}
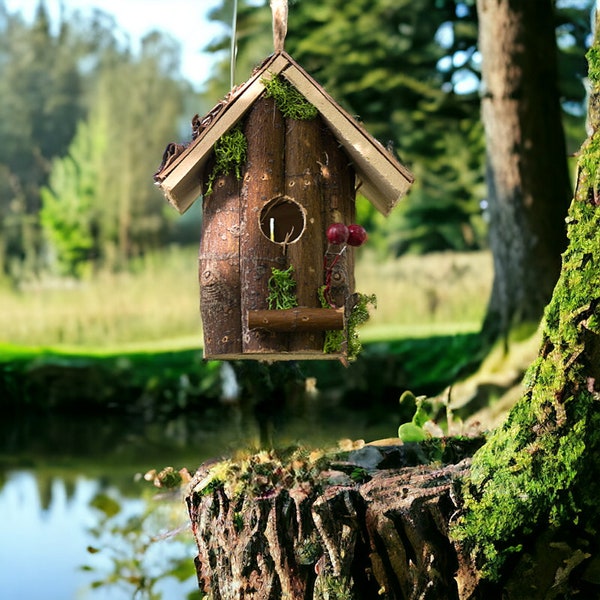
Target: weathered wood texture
{"type": "Point", "coordinates": [386, 538]}
{"type": "Point", "coordinates": [303, 149]}
{"type": "Point", "coordinates": [263, 180]}
{"type": "Point", "coordinates": [219, 268]}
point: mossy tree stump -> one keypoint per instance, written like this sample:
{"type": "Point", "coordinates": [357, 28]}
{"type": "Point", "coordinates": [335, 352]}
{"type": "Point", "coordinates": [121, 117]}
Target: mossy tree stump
{"type": "Point", "coordinates": [531, 513]}
{"type": "Point", "coordinates": [360, 524]}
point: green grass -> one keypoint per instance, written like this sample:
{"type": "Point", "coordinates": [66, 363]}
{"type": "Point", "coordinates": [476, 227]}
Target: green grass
{"type": "Point", "coordinates": [156, 301]}
{"type": "Point", "coordinates": [154, 307]}
{"type": "Point", "coordinates": [419, 296]}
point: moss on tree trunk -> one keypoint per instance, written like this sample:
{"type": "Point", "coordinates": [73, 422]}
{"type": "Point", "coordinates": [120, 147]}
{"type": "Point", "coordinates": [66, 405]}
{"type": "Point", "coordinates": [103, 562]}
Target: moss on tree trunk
{"type": "Point", "coordinates": [538, 476]}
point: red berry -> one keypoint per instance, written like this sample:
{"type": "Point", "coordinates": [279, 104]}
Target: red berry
{"type": "Point", "coordinates": [357, 235]}
{"type": "Point", "coordinates": [337, 233]}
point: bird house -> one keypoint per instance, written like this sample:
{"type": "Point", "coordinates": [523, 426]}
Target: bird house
{"type": "Point", "coordinates": [277, 162]}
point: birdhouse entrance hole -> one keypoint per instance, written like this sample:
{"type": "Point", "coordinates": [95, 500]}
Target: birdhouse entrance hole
{"type": "Point", "coordinates": [282, 220]}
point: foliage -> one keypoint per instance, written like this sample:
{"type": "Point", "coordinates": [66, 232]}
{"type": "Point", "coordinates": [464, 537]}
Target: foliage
{"type": "Point", "coordinates": [112, 152]}
{"type": "Point", "coordinates": [69, 219]}
{"type": "Point", "coordinates": [289, 100]}
{"type": "Point", "coordinates": [72, 92]}
{"type": "Point", "coordinates": [282, 286]}
{"type": "Point", "coordinates": [358, 316]}
{"type": "Point", "coordinates": [41, 92]}
{"type": "Point", "coordinates": [335, 339]}
{"type": "Point", "coordinates": [230, 154]}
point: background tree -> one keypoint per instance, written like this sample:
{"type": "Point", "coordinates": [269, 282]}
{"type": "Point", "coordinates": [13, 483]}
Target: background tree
{"type": "Point", "coordinates": [528, 180]}
{"type": "Point", "coordinates": [40, 103]}
{"type": "Point", "coordinates": [74, 87]}
{"type": "Point", "coordinates": [386, 63]}
{"type": "Point", "coordinates": [101, 201]}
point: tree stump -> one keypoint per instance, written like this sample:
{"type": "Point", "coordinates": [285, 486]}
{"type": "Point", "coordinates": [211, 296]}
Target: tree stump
{"type": "Point", "coordinates": [361, 524]}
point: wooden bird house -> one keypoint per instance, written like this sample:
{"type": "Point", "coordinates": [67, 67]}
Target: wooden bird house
{"type": "Point", "coordinates": [277, 162]}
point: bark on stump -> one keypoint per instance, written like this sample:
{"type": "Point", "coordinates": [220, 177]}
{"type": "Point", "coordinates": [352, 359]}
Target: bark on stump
{"type": "Point", "coordinates": [328, 537]}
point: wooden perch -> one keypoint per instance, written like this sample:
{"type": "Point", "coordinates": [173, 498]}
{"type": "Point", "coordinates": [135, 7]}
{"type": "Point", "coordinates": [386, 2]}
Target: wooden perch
{"type": "Point", "coordinates": [297, 319]}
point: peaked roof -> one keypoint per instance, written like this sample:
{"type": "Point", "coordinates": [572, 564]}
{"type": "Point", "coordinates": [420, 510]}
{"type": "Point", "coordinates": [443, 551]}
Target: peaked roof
{"type": "Point", "coordinates": [384, 180]}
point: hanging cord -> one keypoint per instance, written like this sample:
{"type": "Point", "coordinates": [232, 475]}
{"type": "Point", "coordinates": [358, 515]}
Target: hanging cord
{"type": "Point", "coordinates": [279, 8]}
{"type": "Point", "coordinates": [233, 44]}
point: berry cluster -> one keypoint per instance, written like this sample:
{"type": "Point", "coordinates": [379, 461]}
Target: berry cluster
{"type": "Point", "coordinates": [342, 236]}
{"type": "Point", "coordinates": [353, 235]}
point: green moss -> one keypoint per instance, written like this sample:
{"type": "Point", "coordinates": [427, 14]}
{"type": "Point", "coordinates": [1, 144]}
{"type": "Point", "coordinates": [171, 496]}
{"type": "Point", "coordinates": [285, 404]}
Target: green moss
{"type": "Point", "coordinates": [334, 340]}
{"type": "Point", "coordinates": [289, 100]}
{"type": "Point", "coordinates": [230, 154]}
{"type": "Point", "coordinates": [358, 316]}
{"type": "Point", "coordinates": [593, 57]}
{"type": "Point", "coordinates": [282, 289]}
{"type": "Point", "coordinates": [255, 475]}
{"type": "Point", "coordinates": [540, 469]}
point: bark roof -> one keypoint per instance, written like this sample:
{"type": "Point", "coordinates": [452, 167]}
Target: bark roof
{"type": "Point", "coordinates": [382, 178]}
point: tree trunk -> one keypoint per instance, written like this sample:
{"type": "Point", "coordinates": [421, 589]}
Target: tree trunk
{"type": "Point", "coordinates": [527, 175]}
{"type": "Point", "coordinates": [532, 496]}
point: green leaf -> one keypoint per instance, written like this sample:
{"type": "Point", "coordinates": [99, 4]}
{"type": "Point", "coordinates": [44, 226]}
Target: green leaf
{"type": "Point", "coordinates": [409, 432]}
{"type": "Point", "coordinates": [104, 503]}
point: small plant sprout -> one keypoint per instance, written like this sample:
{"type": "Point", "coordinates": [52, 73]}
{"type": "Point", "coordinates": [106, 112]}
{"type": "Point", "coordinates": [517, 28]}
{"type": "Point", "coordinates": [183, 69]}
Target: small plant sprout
{"type": "Point", "coordinates": [414, 430]}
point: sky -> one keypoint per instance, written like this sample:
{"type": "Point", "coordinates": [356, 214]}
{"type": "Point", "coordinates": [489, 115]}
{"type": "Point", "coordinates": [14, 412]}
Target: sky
{"type": "Point", "coordinates": [186, 20]}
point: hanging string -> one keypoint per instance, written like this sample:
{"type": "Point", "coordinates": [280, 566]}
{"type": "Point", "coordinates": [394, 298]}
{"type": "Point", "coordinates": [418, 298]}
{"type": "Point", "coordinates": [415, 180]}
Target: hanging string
{"type": "Point", "coordinates": [279, 8]}
{"type": "Point", "coordinates": [233, 44]}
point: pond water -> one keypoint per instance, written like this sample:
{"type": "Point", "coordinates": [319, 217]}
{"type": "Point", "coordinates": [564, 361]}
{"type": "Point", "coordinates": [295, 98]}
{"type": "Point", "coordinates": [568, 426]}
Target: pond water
{"type": "Point", "coordinates": [76, 511]}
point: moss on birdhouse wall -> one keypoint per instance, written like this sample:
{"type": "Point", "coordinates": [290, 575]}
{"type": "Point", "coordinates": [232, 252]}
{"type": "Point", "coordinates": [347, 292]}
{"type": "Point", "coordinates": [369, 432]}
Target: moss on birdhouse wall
{"type": "Point", "coordinates": [540, 470]}
{"type": "Point", "coordinates": [291, 103]}
{"type": "Point", "coordinates": [230, 152]}
{"type": "Point", "coordinates": [282, 289]}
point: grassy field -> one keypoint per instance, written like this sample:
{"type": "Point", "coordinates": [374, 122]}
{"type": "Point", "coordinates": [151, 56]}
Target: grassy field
{"type": "Point", "coordinates": [155, 306]}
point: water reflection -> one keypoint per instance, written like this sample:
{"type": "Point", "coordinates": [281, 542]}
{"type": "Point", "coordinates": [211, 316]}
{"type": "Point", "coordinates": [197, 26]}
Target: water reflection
{"type": "Point", "coordinates": [43, 547]}
{"type": "Point", "coordinates": [54, 468]}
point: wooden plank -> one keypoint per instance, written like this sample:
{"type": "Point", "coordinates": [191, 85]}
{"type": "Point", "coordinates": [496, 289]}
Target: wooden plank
{"type": "Point", "coordinates": [303, 151]}
{"type": "Point", "coordinates": [277, 356]}
{"type": "Point", "coordinates": [263, 181]}
{"type": "Point", "coordinates": [219, 268]}
{"type": "Point", "coordinates": [385, 179]}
